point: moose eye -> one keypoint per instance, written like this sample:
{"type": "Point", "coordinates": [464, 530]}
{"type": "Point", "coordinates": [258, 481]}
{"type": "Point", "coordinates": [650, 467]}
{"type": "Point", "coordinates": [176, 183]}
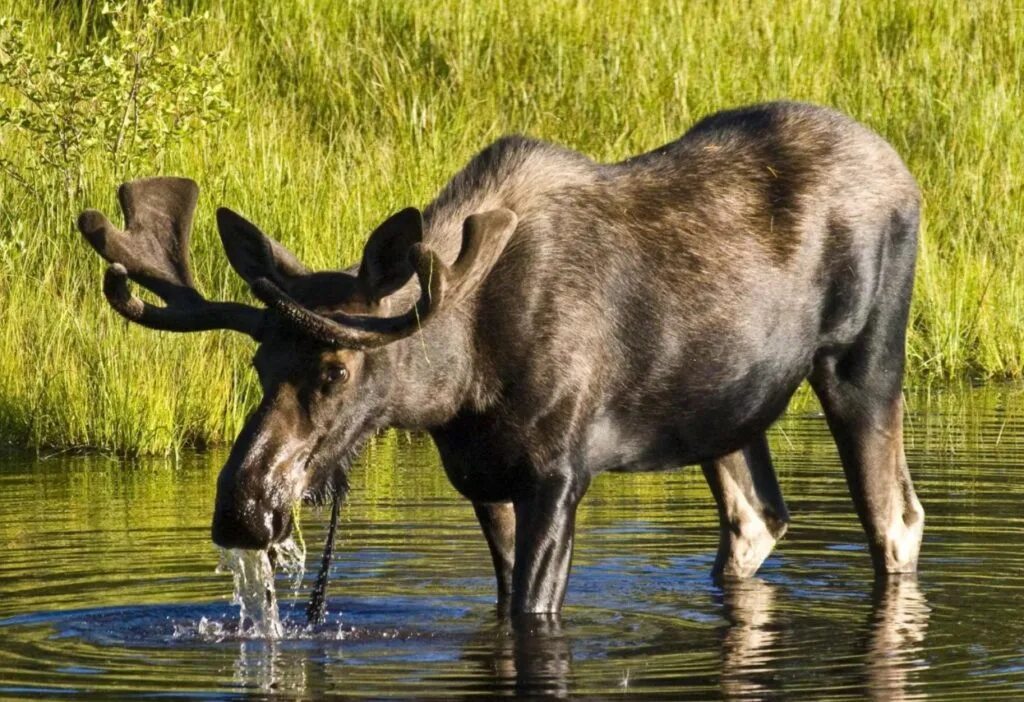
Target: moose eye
{"type": "Point", "coordinates": [335, 374]}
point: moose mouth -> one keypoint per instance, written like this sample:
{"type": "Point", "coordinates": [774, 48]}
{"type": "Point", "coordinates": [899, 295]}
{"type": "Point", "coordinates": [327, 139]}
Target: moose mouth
{"type": "Point", "coordinates": [254, 515]}
{"type": "Point", "coordinates": [252, 529]}
{"type": "Point", "coordinates": [248, 524]}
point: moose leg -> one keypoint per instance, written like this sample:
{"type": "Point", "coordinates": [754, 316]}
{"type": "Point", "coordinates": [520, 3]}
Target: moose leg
{"type": "Point", "coordinates": [860, 388]}
{"type": "Point", "coordinates": [545, 523]}
{"type": "Point", "coordinates": [752, 515]}
{"type": "Point", "coordinates": [498, 521]}
{"type": "Point", "coordinates": [869, 434]}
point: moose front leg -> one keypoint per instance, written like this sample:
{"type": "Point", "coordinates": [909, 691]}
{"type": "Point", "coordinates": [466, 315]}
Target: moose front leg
{"type": "Point", "coordinates": [498, 521]}
{"type": "Point", "coordinates": [751, 512]}
{"type": "Point", "coordinates": [545, 523]}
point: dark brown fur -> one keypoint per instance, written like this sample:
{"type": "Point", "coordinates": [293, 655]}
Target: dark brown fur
{"type": "Point", "coordinates": [641, 316]}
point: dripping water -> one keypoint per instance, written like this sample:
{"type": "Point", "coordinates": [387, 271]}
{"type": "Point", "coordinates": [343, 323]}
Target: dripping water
{"type": "Point", "coordinates": [255, 593]}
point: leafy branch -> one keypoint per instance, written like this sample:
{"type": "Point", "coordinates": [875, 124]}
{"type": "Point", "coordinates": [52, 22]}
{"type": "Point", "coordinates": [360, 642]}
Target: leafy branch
{"type": "Point", "coordinates": [130, 93]}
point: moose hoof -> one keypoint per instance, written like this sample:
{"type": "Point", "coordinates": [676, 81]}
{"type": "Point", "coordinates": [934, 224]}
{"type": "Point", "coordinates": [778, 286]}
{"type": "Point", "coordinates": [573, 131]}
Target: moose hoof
{"type": "Point", "coordinates": [744, 547]}
{"type": "Point", "coordinates": [901, 543]}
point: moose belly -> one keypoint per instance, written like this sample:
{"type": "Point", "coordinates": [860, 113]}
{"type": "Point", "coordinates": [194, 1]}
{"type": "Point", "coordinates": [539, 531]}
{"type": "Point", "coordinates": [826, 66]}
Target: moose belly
{"type": "Point", "coordinates": [701, 429]}
{"type": "Point", "coordinates": [485, 459]}
{"type": "Point", "coordinates": [622, 447]}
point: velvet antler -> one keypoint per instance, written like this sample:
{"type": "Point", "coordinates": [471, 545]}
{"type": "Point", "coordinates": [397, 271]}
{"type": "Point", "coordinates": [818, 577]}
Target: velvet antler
{"type": "Point", "coordinates": [153, 252]}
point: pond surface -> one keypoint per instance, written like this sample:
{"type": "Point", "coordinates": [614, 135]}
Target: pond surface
{"type": "Point", "coordinates": [108, 583]}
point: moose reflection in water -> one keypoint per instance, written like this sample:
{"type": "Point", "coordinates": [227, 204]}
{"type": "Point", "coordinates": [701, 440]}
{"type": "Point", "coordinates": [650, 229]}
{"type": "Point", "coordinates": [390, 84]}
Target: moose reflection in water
{"type": "Point", "coordinates": [898, 625]}
{"type": "Point", "coordinates": [548, 318]}
{"type": "Point", "coordinates": [893, 636]}
{"type": "Point", "coordinates": [534, 656]}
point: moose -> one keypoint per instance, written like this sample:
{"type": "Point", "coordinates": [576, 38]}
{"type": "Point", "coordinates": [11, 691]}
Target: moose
{"type": "Point", "coordinates": [548, 317]}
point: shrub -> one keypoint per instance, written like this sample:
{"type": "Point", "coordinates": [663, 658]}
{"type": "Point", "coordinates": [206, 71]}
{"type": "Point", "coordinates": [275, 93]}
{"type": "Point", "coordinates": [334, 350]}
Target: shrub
{"type": "Point", "coordinates": [128, 93]}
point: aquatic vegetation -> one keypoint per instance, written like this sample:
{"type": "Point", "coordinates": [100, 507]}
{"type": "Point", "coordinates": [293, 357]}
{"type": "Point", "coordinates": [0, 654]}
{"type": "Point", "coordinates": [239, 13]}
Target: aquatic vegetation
{"type": "Point", "coordinates": [345, 111]}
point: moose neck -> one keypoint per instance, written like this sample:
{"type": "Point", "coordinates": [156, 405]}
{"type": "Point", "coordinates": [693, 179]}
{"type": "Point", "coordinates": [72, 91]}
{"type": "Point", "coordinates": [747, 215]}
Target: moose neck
{"type": "Point", "coordinates": [433, 373]}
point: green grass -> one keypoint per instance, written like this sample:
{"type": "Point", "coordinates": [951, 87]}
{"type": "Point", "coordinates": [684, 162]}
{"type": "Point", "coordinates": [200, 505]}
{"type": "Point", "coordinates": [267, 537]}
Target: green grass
{"type": "Point", "coordinates": [347, 111]}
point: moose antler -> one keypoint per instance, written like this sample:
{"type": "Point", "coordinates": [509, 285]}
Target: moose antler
{"type": "Point", "coordinates": [359, 331]}
{"type": "Point", "coordinates": [484, 238]}
{"type": "Point", "coordinates": [153, 252]}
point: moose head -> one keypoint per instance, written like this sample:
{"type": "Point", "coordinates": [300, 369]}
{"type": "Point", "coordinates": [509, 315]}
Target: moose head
{"type": "Point", "coordinates": [334, 365]}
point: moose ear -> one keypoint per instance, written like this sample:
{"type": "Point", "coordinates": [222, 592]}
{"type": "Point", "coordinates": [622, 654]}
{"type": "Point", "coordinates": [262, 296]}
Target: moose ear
{"type": "Point", "coordinates": [252, 253]}
{"type": "Point", "coordinates": [484, 237]}
{"type": "Point", "coordinates": [385, 267]}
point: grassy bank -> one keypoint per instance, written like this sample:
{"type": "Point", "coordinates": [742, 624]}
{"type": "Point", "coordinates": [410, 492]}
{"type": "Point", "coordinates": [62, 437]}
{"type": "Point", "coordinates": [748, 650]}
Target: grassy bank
{"type": "Point", "coordinates": [345, 111]}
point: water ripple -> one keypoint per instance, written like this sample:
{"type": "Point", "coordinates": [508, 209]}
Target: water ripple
{"type": "Point", "coordinates": [109, 587]}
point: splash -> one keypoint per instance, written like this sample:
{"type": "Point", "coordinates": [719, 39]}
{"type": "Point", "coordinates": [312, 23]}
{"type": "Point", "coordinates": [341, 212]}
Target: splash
{"type": "Point", "coordinates": [254, 590]}
{"type": "Point", "coordinates": [290, 557]}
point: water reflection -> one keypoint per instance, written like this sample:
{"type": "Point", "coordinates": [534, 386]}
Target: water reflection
{"type": "Point", "coordinates": [541, 655]}
{"type": "Point", "coordinates": [749, 640]}
{"type": "Point", "coordinates": [753, 642]}
{"type": "Point", "coordinates": [895, 655]}
{"type": "Point", "coordinates": [517, 657]}
{"type": "Point", "coordinates": [523, 656]}
{"type": "Point", "coordinates": [109, 588]}
{"type": "Point", "coordinates": [262, 665]}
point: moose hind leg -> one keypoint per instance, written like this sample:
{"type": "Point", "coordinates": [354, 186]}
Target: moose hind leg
{"type": "Point", "coordinates": [751, 512]}
{"type": "Point", "coordinates": [860, 388]}
{"type": "Point", "coordinates": [498, 521]}
{"type": "Point", "coordinates": [869, 436]}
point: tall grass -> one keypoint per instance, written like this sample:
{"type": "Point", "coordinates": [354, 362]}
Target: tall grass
{"type": "Point", "coordinates": [349, 110]}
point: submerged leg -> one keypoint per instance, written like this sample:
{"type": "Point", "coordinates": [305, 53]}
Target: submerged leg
{"type": "Point", "coordinates": [751, 512]}
{"type": "Point", "coordinates": [498, 521]}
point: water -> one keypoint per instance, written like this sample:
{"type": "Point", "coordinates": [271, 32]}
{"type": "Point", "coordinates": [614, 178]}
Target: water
{"type": "Point", "coordinates": [255, 591]}
{"type": "Point", "coordinates": [108, 584]}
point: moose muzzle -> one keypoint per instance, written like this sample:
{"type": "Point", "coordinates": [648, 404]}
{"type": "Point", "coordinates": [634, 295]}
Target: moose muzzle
{"type": "Point", "coordinates": [240, 521]}
{"type": "Point", "coordinates": [259, 484]}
